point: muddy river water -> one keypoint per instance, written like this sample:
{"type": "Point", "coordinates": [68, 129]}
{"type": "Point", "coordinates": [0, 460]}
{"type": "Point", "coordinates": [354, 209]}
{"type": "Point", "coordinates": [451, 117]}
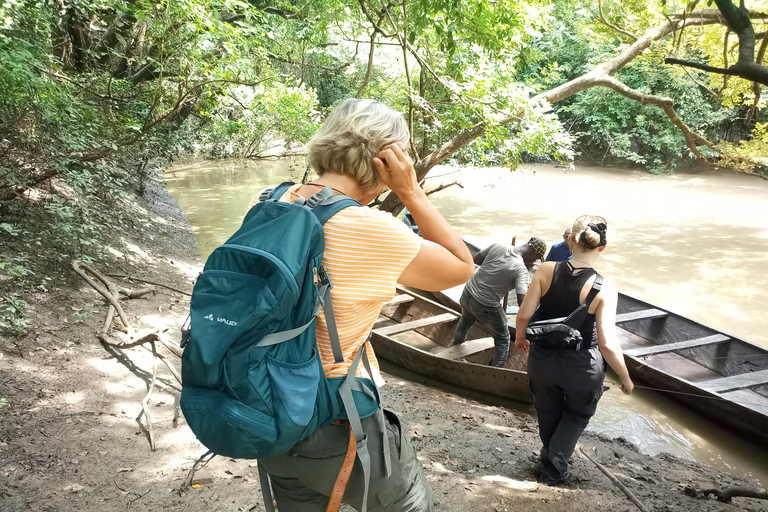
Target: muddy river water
{"type": "Point", "coordinates": [694, 243]}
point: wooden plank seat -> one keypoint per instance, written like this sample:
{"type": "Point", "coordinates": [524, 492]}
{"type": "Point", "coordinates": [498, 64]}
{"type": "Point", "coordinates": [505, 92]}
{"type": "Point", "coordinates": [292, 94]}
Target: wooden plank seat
{"type": "Point", "coordinates": [680, 345]}
{"type": "Point", "coordinates": [391, 330]}
{"type": "Point", "coordinates": [465, 349]}
{"type": "Point", "coordinates": [640, 315]}
{"type": "Point", "coordinates": [630, 340]}
{"type": "Point", "coordinates": [400, 299]}
{"type": "Point", "coordinates": [734, 382]}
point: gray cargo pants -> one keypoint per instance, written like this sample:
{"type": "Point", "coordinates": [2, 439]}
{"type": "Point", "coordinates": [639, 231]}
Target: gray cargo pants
{"type": "Point", "coordinates": [566, 386]}
{"type": "Point", "coordinates": [493, 318]}
{"type": "Point", "coordinates": [303, 478]}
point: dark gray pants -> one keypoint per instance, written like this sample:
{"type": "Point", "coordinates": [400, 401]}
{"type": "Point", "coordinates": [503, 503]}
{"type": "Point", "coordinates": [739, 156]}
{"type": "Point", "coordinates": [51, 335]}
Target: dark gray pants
{"type": "Point", "coordinates": [566, 386]}
{"type": "Point", "coordinates": [493, 318]}
{"type": "Point", "coordinates": [303, 478]}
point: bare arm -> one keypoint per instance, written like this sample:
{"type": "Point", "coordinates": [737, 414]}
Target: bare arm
{"type": "Point", "coordinates": [443, 260]}
{"type": "Point", "coordinates": [605, 317]}
{"type": "Point", "coordinates": [528, 307]}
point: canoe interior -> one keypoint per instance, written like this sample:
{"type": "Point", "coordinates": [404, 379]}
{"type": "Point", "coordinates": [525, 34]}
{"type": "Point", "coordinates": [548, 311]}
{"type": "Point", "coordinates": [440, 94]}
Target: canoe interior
{"type": "Point", "coordinates": [732, 368]}
{"type": "Point", "coordinates": [436, 338]}
{"type": "Point", "coordinates": [417, 334]}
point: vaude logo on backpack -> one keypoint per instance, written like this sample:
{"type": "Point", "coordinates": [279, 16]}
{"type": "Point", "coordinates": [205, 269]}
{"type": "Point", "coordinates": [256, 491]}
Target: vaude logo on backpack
{"type": "Point", "coordinates": [563, 332]}
{"type": "Point", "coordinates": [253, 385]}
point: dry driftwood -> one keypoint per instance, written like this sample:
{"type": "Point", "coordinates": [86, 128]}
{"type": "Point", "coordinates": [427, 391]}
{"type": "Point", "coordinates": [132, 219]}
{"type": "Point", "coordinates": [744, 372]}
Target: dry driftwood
{"type": "Point", "coordinates": [726, 494]}
{"type": "Point", "coordinates": [615, 480]}
{"type": "Point", "coordinates": [204, 459]}
{"type": "Point", "coordinates": [146, 281]}
{"type": "Point", "coordinates": [111, 292]}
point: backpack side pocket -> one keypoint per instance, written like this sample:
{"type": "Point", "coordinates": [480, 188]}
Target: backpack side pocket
{"type": "Point", "coordinates": [296, 386]}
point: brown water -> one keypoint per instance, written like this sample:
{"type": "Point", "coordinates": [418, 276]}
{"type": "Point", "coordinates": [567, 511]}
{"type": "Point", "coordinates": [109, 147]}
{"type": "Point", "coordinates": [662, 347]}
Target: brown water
{"type": "Point", "coordinates": [693, 243]}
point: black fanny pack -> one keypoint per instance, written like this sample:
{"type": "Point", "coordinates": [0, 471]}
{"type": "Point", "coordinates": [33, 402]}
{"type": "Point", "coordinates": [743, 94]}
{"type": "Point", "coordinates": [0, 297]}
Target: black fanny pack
{"type": "Point", "coordinates": [563, 332]}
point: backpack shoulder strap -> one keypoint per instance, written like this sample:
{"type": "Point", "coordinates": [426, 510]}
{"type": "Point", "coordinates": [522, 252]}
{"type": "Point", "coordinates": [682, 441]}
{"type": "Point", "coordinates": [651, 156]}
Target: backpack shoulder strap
{"type": "Point", "coordinates": [580, 313]}
{"type": "Point", "coordinates": [596, 287]}
{"type": "Point", "coordinates": [277, 192]}
{"type": "Point", "coordinates": [330, 208]}
{"type": "Point", "coordinates": [325, 205]}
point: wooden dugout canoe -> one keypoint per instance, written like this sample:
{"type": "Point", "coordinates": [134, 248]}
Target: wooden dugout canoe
{"type": "Point", "coordinates": [416, 333]}
{"type": "Point", "coordinates": [723, 378]}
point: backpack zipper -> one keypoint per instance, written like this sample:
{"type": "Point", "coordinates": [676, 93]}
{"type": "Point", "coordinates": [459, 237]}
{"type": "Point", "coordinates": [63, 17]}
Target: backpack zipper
{"type": "Point", "coordinates": [230, 274]}
{"type": "Point", "coordinates": [281, 267]}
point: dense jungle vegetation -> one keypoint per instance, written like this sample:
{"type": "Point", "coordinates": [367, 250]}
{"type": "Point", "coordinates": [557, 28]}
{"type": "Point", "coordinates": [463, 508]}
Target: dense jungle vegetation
{"type": "Point", "coordinates": [93, 91]}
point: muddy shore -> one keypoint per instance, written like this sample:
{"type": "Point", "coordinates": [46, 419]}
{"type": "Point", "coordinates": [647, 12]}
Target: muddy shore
{"type": "Point", "coordinates": [69, 439]}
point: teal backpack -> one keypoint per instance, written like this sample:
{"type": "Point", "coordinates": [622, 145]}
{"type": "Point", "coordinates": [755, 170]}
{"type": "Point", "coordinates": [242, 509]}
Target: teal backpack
{"type": "Point", "coordinates": [253, 385]}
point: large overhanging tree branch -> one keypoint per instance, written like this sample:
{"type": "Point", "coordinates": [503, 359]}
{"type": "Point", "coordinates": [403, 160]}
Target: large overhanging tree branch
{"type": "Point", "coordinates": [739, 21]}
{"type": "Point", "coordinates": [596, 77]}
{"type": "Point", "coordinates": [692, 139]}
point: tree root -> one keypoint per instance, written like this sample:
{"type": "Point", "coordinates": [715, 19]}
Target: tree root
{"type": "Point", "coordinates": [727, 494]}
{"type": "Point", "coordinates": [145, 404]}
{"type": "Point", "coordinates": [204, 459]}
{"type": "Point", "coordinates": [615, 480]}
{"type": "Point", "coordinates": [111, 292]}
{"type": "Point", "coordinates": [146, 281]}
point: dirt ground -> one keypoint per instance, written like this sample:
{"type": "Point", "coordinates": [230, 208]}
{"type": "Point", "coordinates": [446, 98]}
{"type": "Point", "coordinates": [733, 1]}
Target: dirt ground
{"type": "Point", "coordinates": [69, 439]}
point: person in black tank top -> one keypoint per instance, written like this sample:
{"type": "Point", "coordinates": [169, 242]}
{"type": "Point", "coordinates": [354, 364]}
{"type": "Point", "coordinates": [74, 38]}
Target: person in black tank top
{"type": "Point", "coordinates": [567, 383]}
{"type": "Point", "coordinates": [563, 297]}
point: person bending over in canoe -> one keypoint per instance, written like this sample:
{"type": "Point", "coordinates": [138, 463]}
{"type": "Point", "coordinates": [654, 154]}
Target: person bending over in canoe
{"type": "Point", "coordinates": [502, 269]}
{"type": "Point", "coordinates": [359, 151]}
{"type": "Point", "coordinates": [566, 376]}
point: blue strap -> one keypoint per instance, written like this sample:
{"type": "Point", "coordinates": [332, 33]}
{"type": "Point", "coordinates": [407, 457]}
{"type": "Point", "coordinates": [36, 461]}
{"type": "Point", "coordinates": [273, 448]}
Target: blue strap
{"type": "Point", "coordinates": [332, 205]}
{"type": "Point", "coordinates": [277, 192]}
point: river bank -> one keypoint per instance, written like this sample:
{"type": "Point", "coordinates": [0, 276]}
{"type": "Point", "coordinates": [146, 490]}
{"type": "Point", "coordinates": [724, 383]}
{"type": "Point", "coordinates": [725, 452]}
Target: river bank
{"type": "Point", "coordinates": [69, 438]}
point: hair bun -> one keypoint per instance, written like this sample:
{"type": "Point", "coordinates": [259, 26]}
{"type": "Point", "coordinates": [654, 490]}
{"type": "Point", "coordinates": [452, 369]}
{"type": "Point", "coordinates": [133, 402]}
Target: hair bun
{"type": "Point", "coordinates": [591, 241]}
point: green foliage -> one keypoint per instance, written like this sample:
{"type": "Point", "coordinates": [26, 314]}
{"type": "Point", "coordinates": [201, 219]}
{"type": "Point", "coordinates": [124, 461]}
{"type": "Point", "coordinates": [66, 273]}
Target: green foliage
{"type": "Point", "coordinates": [13, 319]}
{"type": "Point", "coordinates": [643, 134]}
{"type": "Point", "coordinates": [495, 26]}
{"type": "Point", "coordinates": [254, 121]}
{"type": "Point", "coordinates": [756, 148]}
{"type": "Point", "coordinates": [15, 268]}
{"type": "Point", "coordinates": [606, 124]}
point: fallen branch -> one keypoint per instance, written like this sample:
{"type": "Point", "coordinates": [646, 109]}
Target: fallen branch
{"type": "Point", "coordinates": [146, 281]}
{"type": "Point", "coordinates": [204, 459]}
{"type": "Point", "coordinates": [110, 291]}
{"type": "Point", "coordinates": [443, 187]}
{"type": "Point", "coordinates": [727, 494]}
{"type": "Point", "coordinates": [145, 404]}
{"type": "Point", "coordinates": [80, 268]}
{"type": "Point", "coordinates": [615, 480]}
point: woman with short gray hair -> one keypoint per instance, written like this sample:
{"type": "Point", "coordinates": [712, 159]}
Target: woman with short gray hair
{"type": "Point", "coordinates": [360, 152]}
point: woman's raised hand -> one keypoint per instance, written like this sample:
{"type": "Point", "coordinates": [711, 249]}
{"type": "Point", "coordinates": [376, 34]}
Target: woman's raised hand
{"type": "Point", "coordinates": [395, 170]}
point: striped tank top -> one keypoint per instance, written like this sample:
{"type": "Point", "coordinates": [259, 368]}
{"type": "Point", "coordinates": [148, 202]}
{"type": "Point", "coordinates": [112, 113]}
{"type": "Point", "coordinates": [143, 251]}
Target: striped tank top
{"type": "Point", "coordinates": [366, 251]}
